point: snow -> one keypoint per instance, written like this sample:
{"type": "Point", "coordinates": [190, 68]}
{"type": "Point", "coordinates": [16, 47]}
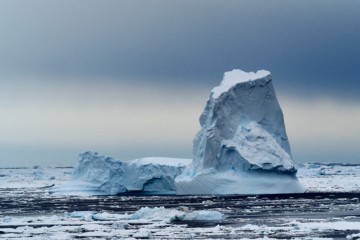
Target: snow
{"type": "Point", "coordinates": [96, 174]}
{"type": "Point", "coordinates": [234, 77]}
{"type": "Point", "coordinates": [242, 147]}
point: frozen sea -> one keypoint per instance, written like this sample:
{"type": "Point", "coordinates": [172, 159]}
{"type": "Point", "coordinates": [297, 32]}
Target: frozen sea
{"type": "Point", "coordinates": [330, 209]}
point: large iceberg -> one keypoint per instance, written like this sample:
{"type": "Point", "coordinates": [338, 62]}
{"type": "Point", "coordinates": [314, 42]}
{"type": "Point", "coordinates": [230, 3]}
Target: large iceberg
{"type": "Point", "coordinates": [242, 147]}
{"type": "Point", "coordinates": [96, 174]}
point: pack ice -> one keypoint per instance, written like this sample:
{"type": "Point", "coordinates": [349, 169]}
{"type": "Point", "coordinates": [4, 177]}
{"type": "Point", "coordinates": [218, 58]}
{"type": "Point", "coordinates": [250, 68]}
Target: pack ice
{"type": "Point", "coordinates": [242, 147]}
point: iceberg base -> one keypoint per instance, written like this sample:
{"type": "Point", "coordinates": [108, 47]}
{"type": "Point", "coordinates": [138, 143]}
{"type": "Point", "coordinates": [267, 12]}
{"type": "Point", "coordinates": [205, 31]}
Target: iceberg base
{"type": "Point", "coordinates": [246, 183]}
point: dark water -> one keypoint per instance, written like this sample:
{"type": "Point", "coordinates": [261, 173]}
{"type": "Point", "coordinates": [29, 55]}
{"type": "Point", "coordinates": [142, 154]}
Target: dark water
{"type": "Point", "coordinates": [240, 210]}
{"type": "Point", "coordinates": [299, 205]}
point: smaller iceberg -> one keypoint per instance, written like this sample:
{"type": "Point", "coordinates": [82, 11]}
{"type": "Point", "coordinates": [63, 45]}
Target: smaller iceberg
{"type": "Point", "coordinates": [96, 174]}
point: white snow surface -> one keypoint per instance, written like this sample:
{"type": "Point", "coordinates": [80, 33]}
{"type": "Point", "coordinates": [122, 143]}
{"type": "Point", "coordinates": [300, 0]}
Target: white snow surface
{"type": "Point", "coordinates": [234, 77]}
{"type": "Point", "coordinates": [242, 147]}
{"type": "Point", "coordinates": [96, 174]}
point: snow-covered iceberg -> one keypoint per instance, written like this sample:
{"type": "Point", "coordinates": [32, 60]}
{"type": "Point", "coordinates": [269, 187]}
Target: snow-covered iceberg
{"type": "Point", "coordinates": [242, 147]}
{"type": "Point", "coordinates": [96, 174]}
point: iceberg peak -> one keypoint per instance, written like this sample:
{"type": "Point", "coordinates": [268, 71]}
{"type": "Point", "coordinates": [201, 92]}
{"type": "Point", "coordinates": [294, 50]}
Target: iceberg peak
{"type": "Point", "coordinates": [242, 146]}
{"type": "Point", "coordinates": [236, 76]}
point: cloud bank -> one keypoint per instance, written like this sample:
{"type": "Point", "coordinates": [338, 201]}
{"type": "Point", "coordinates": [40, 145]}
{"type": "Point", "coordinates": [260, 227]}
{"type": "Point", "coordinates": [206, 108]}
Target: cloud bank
{"type": "Point", "coordinates": [130, 78]}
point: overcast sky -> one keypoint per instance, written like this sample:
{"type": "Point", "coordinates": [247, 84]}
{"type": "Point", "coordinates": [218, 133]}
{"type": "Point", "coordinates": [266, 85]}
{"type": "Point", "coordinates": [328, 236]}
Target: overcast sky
{"type": "Point", "coordinates": [130, 78]}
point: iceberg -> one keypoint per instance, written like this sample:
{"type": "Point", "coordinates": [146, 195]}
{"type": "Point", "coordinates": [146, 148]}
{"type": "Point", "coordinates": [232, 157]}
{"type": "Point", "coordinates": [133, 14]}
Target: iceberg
{"type": "Point", "coordinates": [242, 147]}
{"type": "Point", "coordinates": [96, 174]}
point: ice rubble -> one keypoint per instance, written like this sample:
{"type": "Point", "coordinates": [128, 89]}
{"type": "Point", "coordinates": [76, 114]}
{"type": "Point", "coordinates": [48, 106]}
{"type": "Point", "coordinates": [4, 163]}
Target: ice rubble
{"type": "Point", "coordinates": [147, 213]}
{"type": "Point", "coordinates": [102, 175]}
{"type": "Point", "coordinates": [242, 147]}
{"type": "Point", "coordinates": [103, 225]}
{"type": "Point", "coordinates": [160, 213]}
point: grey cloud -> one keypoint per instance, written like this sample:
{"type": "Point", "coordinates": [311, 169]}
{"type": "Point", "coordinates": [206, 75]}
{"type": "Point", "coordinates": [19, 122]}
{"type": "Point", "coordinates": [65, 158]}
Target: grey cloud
{"type": "Point", "coordinates": [304, 44]}
{"type": "Point", "coordinates": [311, 48]}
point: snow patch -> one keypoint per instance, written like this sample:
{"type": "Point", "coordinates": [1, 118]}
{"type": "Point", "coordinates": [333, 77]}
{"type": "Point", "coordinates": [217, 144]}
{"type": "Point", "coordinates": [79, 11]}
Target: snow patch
{"type": "Point", "coordinates": [234, 77]}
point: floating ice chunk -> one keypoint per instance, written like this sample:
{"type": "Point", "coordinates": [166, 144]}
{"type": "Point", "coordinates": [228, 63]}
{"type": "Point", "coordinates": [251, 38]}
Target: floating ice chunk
{"type": "Point", "coordinates": [156, 213]}
{"type": "Point", "coordinates": [204, 215]}
{"type": "Point", "coordinates": [83, 215]}
{"type": "Point", "coordinates": [151, 214]}
{"type": "Point", "coordinates": [108, 216]}
{"type": "Point", "coordinates": [142, 234]}
{"type": "Point", "coordinates": [161, 213]}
